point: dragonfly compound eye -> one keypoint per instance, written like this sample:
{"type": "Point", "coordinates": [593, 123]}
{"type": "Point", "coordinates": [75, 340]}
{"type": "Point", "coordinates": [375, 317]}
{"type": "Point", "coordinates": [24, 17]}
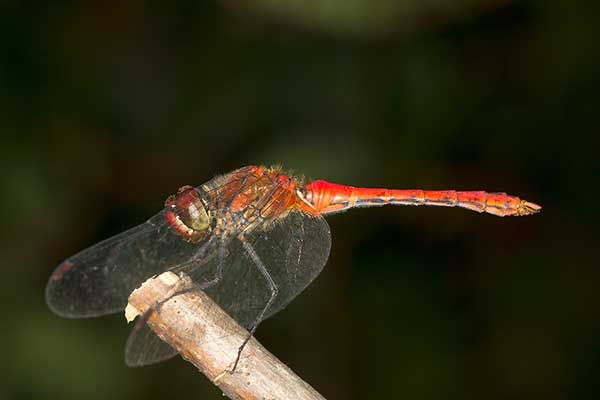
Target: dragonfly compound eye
{"type": "Point", "coordinates": [187, 215]}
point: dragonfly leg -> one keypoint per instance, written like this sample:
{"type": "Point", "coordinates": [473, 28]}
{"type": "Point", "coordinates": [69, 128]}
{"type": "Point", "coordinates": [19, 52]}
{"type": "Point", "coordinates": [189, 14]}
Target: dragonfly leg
{"type": "Point", "coordinates": [274, 291]}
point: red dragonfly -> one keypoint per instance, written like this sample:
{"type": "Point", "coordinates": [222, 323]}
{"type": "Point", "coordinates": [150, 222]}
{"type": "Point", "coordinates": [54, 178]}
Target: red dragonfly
{"type": "Point", "coordinates": [252, 239]}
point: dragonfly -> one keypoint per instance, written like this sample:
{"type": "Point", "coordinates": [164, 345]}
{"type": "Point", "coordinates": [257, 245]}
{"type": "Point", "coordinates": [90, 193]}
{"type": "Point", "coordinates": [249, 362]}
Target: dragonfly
{"type": "Point", "coordinates": [252, 240]}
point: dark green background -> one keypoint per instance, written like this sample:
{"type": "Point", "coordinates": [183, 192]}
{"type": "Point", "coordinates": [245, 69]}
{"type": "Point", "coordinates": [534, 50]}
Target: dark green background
{"type": "Point", "coordinates": [107, 109]}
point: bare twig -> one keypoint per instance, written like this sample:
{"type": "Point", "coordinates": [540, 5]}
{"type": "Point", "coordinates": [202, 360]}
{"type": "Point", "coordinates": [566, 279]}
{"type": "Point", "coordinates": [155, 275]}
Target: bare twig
{"type": "Point", "coordinates": [209, 338]}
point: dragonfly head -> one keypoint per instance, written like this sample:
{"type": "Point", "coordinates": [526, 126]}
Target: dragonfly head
{"type": "Point", "coordinates": [187, 214]}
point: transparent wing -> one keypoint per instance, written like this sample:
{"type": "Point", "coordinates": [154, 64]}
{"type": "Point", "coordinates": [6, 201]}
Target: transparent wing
{"type": "Point", "coordinates": [99, 280]}
{"type": "Point", "coordinates": [294, 250]}
{"type": "Point", "coordinates": [144, 347]}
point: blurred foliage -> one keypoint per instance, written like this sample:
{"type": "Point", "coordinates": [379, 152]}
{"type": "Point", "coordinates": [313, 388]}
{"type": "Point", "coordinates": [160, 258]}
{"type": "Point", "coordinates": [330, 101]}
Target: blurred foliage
{"type": "Point", "coordinates": [361, 18]}
{"type": "Point", "coordinates": [106, 108]}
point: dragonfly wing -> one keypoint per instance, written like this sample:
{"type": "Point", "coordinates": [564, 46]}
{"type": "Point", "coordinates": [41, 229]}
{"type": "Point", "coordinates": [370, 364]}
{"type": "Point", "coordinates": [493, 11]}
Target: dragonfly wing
{"type": "Point", "coordinates": [294, 250]}
{"type": "Point", "coordinates": [99, 280]}
{"type": "Point", "coordinates": [145, 348]}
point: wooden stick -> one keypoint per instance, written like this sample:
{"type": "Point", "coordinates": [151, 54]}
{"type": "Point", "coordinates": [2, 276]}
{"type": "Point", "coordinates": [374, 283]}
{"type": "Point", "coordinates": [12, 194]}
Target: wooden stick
{"type": "Point", "coordinates": [206, 336]}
